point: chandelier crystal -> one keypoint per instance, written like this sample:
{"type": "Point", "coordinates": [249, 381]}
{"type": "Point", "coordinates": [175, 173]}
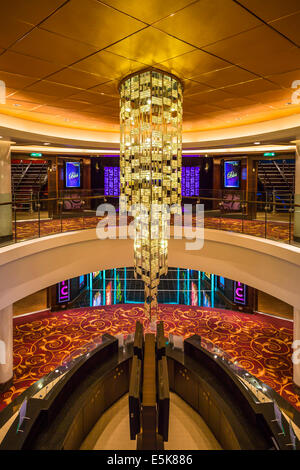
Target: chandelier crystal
{"type": "Point", "coordinates": [150, 168]}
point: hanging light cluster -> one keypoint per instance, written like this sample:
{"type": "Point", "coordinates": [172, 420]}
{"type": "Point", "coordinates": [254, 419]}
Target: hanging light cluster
{"type": "Point", "coordinates": [150, 164]}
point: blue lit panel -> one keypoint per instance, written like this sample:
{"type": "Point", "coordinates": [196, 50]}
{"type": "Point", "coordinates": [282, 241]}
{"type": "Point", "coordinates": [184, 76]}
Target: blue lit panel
{"type": "Point", "coordinates": [179, 286]}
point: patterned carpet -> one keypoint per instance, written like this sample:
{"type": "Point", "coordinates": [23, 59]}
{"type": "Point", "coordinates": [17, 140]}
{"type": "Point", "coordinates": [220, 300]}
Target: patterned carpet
{"type": "Point", "coordinates": [275, 230]}
{"type": "Point", "coordinates": [261, 344]}
{"type": "Point", "coordinates": [28, 229]}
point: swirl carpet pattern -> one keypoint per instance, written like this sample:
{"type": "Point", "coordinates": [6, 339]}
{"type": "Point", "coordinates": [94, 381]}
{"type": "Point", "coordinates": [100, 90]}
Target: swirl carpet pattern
{"type": "Point", "coordinates": [279, 231]}
{"type": "Point", "coordinates": [261, 344]}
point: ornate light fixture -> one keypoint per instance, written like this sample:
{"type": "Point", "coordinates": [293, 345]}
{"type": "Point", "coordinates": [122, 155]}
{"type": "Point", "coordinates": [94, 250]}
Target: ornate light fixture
{"type": "Point", "coordinates": [150, 162]}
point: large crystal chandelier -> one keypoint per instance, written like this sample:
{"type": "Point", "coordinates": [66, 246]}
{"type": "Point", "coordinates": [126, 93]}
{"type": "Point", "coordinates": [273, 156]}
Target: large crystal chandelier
{"type": "Point", "coordinates": [150, 162]}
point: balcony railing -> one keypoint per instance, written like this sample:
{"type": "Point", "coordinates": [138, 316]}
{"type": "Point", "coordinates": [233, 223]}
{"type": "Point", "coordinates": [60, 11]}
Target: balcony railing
{"type": "Point", "coordinates": [259, 215]}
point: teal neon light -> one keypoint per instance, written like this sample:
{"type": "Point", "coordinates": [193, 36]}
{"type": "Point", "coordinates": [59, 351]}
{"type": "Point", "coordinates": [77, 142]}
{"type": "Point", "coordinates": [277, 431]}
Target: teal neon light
{"type": "Point", "coordinates": [212, 291]}
{"type": "Point", "coordinates": [199, 288]}
{"type": "Point", "coordinates": [125, 286]}
{"type": "Point", "coordinates": [178, 288]}
{"type": "Point", "coordinates": [115, 286]}
{"type": "Point", "coordinates": [91, 288]}
{"type": "Point", "coordinates": [104, 293]}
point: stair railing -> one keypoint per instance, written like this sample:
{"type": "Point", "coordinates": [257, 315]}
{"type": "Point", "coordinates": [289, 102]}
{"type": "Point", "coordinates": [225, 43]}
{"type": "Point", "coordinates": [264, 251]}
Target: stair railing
{"type": "Point", "coordinates": [23, 175]}
{"type": "Point", "coordinates": [281, 173]}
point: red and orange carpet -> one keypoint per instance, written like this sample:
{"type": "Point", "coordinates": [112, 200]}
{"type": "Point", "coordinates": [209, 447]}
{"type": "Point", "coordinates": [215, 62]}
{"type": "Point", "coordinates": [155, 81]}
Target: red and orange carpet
{"type": "Point", "coordinates": [261, 344]}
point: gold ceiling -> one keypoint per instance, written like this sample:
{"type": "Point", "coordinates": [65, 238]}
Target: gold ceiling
{"type": "Point", "coordinates": [62, 60]}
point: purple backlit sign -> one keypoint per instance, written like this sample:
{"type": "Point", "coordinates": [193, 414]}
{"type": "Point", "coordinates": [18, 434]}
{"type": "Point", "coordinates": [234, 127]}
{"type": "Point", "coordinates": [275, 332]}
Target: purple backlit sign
{"type": "Point", "coordinates": [190, 181]}
{"type": "Point", "coordinates": [63, 291]}
{"type": "Point", "coordinates": [240, 293]}
{"type": "Point", "coordinates": [72, 175]}
{"type": "Point", "coordinates": [232, 174]}
{"type": "Point", "coordinates": [112, 181]}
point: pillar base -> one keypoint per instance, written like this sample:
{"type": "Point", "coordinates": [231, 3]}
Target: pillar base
{"type": "Point", "coordinates": [6, 386]}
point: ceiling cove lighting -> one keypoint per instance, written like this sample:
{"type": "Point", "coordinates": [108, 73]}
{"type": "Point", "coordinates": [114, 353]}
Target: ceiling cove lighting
{"type": "Point", "coordinates": [150, 168]}
{"type": "Point", "coordinates": [64, 150]}
{"type": "Point", "coordinates": [196, 152]}
{"type": "Point", "coordinates": [232, 150]}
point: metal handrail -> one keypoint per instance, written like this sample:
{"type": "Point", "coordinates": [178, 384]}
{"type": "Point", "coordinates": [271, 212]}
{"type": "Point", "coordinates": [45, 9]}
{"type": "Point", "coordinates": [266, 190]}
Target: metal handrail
{"type": "Point", "coordinates": [198, 198]}
{"type": "Point", "coordinates": [58, 212]}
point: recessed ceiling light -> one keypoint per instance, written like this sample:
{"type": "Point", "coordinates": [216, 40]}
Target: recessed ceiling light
{"type": "Point", "coordinates": [46, 143]}
{"type": "Point", "coordinates": [256, 143]}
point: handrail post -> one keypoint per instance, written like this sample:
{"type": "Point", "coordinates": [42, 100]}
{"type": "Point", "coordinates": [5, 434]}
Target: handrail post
{"type": "Point", "coordinates": [15, 217]}
{"type": "Point", "coordinates": [31, 202]}
{"type": "Point", "coordinates": [243, 206]}
{"type": "Point", "coordinates": [291, 210]}
{"type": "Point", "coordinates": [60, 204]}
{"type": "Point", "coordinates": [39, 215]}
{"type": "Point", "coordinates": [266, 220]}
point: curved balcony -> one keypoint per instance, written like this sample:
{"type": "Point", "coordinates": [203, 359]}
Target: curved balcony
{"type": "Point", "coordinates": [263, 218]}
{"type": "Point", "coordinates": [263, 264]}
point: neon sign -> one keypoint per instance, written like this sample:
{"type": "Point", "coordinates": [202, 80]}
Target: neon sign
{"type": "Point", "coordinates": [240, 293]}
{"type": "Point", "coordinates": [72, 175]}
{"type": "Point", "coordinates": [119, 288]}
{"type": "Point", "coordinates": [232, 174]}
{"type": "Point", "coordinates": [64, 291]}
{"type": "Point", "coordinates": [97, 299]}
{"type": "Point", "coordinates": [108, 294]}
{"type": "Point", "coordinates": [194, 294]}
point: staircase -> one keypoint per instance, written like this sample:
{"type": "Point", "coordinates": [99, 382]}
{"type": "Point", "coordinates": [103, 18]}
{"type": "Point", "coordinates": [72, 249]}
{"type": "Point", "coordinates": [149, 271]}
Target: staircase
{"type": "Point", "coordinates": [277, 180]}
{"type": "Point", "coordinates": [28, 178]}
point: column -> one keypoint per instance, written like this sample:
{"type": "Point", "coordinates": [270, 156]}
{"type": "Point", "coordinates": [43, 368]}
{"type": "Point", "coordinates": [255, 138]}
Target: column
{"type": "Point", "coordinates": [297, 195]}
{"type": "Point", "coordinates": [6, 347]}
{"type": "Point", "coordinates": [5, 192]}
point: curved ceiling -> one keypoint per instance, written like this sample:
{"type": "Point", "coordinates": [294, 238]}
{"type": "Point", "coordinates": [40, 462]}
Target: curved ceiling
{"type": "Point", "coordinates": [62, 60]}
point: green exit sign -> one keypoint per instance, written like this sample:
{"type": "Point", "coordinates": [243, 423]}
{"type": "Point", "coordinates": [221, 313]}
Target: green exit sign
{"type": "Point", "coordinates": [34, 154]}
{"type": "Point", "coordinates": [269, 154]}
